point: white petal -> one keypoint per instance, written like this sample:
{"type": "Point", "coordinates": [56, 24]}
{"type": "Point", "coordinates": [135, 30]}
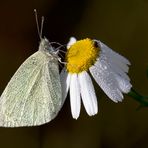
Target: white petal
{"type": "Point", "coordinates": [75, 101]}
{"type": "Point", "coordinates": [112, 53]}
{"type": "Point", "coordinates": [65, 82]}
{"type": "Point", "coordinates": [119, 71]}
{"type": "Point", "coordinates": [72, 40]}
{"type": "Point", "coordinates": [124, 84]}
{"type": "Point", "coordinates": [116, 59]}
{"type": "Point", "coordinates": [105, 78]}
{"type": "Point", "coordinates": [110, 72]}
{"type": "Point", "coordinates": [88, 94]}
{"type": "Point", "coordinates": [119, 65]}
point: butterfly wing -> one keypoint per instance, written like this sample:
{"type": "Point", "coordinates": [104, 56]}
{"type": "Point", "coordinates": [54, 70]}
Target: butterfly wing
{"type": "Point", "coordinates": [33, 95]}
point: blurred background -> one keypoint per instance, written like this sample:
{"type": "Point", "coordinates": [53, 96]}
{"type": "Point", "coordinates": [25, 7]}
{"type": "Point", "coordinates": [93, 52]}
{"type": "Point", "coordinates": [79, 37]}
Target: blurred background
{"type": "Point", "coordinates": [122, 25]}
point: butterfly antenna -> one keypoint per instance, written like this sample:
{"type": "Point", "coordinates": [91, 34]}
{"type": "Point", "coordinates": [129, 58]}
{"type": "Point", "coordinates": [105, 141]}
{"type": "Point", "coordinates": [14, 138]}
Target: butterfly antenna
{"type": "Point", "coordinates": [42, 23]}
{"type": "Point", "coordinates": [37, 24]}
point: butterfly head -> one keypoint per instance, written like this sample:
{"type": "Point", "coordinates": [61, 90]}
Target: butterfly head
{"type": "Point", "coordinates": [46, 46]}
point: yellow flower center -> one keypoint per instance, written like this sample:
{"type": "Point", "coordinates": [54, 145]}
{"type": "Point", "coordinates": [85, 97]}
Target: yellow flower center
{"type": "Point", "coordinates": [81, 55]}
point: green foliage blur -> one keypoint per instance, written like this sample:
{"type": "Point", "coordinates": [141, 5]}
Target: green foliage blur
{"type": "Point", "coordinates": [120, 24]}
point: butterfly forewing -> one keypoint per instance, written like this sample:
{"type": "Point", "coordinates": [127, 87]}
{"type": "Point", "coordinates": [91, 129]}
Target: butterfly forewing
{"type": "Point", "coordinates": [33, 95]}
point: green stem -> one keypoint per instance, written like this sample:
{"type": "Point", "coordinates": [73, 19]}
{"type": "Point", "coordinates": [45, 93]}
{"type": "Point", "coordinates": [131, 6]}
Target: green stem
{"type": "Point", "coordinates": [143, 100]}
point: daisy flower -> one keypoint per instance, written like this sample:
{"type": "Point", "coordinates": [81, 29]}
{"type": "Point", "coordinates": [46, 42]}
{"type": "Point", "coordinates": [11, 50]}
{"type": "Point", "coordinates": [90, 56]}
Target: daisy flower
{"type": "Point", "coordinates": [108, 68]}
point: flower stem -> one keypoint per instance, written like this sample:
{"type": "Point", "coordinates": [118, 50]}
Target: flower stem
{"type": "Point", "coordinates": [143, 100]}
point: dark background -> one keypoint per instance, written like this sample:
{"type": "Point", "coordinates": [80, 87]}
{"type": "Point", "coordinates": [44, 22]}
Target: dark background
{"type": "Point", "coordinates": [122, 25]}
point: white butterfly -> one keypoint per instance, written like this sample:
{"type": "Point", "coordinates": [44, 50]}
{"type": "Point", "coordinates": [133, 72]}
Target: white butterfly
{"type": "Point", "coordinates": [33, 96]}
